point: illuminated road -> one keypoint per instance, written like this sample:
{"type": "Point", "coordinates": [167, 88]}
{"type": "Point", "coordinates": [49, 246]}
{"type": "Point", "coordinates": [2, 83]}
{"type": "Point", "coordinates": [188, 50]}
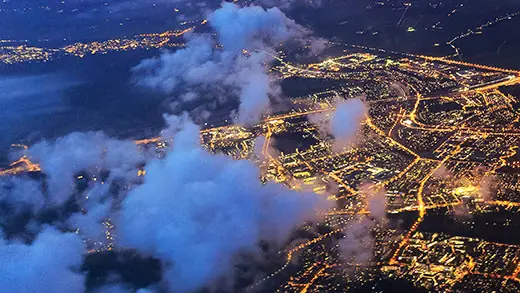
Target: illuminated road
{"type": "Point", "coordinates": [420, 207]}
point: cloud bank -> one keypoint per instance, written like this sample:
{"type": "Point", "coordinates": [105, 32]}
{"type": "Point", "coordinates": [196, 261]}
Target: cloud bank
{"type": "Point", "coordinates": [50, 264]}
{"type": "Point", "coordinates": [196, 211]}
{"type": "Point", "coordinates": [18, 194]}
{"type": "Point", "coordinates": [232, 68]}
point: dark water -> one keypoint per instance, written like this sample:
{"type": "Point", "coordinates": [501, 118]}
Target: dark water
{"type": "Point", "coordinates": [288, 142]}
{"type": "Point", "coordinates": [298, 86]}
{"type": "Point", "coordinates": [94, 93]}
{"type": "Point", "coordinates": [491, 226]}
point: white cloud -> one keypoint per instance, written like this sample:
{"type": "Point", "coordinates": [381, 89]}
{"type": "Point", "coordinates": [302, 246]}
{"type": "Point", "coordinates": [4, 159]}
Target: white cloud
{"type": "Point", "coordinates": [63, 158]}
{"type": "Point", "coordinates": [343, 124]}
{"type": "Point", "coordinates": [217, 76]}
{"type": "Point", "coordinates": [48, 265]}
{"type": "Point", "coordinates": [196, 211]}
